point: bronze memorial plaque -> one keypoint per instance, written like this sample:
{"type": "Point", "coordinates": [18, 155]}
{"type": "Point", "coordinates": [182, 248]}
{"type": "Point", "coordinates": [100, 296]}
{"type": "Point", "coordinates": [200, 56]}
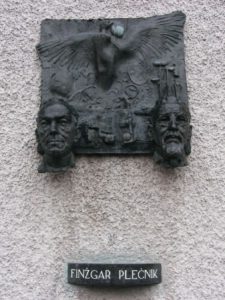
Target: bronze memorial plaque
{"type": "Point", "coordinates": [113, 86]}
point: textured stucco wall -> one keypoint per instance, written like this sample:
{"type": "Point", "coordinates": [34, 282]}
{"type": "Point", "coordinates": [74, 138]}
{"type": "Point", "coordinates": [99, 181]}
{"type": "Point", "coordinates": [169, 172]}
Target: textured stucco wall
{"type": "Point", "coordinates": [111, 206]}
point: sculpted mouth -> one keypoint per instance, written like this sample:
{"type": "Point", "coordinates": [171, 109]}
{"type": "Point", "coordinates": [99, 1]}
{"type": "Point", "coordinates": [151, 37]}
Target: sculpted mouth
{"type": "Point", "coordinates": [173, 138]}
{"type": "Point", "coordinates": [51, 142]}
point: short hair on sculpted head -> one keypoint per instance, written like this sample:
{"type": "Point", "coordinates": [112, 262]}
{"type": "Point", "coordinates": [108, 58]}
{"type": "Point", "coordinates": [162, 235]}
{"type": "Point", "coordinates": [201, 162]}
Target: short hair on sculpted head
{"type": "Point", "coordinates": [54, 101]}
{"type": "Point", "coordinates": [48, 103]}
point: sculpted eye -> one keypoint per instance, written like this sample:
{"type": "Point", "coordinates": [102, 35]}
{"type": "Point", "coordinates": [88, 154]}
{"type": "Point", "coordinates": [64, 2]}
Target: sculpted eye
{"type": "Point", "coordinates": [164, 119]}
{"type": "Point", "coordinates": [181, 118]}
{"type": "Point", "coordinates": [44, 123]}
{"type": "Point", "coordinates": [63, 122]}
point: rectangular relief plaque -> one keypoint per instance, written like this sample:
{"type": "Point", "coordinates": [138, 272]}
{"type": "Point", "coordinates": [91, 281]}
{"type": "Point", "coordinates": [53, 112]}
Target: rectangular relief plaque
{"type": "Point", "coordinates": [113, 86]}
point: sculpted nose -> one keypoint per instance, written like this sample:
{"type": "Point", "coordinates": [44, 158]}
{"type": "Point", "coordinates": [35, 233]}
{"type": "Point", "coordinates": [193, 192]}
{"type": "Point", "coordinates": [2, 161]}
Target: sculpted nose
{"type": "Point", "coordinates": [53, 127]}
{"type": "Point", "coordinates": [173, 123]}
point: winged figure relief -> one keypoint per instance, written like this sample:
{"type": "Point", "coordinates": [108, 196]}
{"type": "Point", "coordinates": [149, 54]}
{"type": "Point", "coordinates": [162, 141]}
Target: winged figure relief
{"type": "Point", "coordinates": [114, 45]}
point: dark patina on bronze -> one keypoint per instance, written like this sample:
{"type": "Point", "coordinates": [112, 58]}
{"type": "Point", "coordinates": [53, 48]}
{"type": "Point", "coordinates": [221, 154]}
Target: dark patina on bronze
{"type": "Point", "coordinates": [125, 79]}
{"type": "Point", "coordinates": [56, 133]}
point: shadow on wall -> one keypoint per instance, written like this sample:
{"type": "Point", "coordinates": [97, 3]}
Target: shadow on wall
{"type": "Point", "coordinates": [94, 293]}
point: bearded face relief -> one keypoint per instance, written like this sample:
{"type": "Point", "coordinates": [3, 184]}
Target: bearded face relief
{"type": "Point", "coordinates": [56, 129]}
{"type": "Point", "coordinates": [172, 132]}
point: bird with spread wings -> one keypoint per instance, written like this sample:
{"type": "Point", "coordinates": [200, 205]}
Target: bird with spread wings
{"type": "Point", "coordinates": [115, 45]}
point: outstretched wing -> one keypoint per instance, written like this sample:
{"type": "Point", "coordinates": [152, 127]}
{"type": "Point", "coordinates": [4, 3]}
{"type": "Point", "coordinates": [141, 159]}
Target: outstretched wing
{"type": "Point", "coordinates": [161, 35]}
{"type": "Point", "coordinates": [72, 52]}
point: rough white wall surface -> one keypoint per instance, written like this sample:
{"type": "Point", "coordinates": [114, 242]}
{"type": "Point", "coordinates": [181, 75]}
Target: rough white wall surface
{"type": "Point", "coordinates": [116, 205]}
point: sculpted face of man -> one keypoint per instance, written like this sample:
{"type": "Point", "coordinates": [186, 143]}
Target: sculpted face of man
{"type": "Point", "coordinates": [172, 131]}
{"type": "Point", "coordinates": [56, 129]}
